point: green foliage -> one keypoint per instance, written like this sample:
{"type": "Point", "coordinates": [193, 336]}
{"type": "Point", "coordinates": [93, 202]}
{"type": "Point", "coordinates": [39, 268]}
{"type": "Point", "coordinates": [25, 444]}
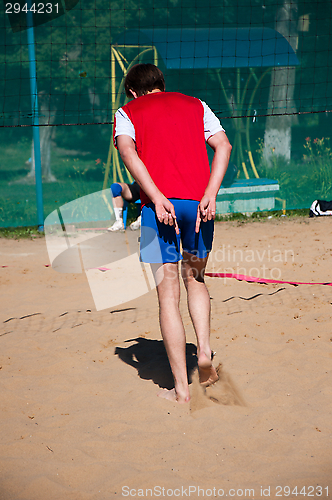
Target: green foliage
{"type": "Point", "coordinates": [16, 233]}
{"type": "Point", "coordinates": [73, 64]}
{"type": "Point", "coordinates": [301, 182]}
{"type": "Point", "coordinates": [76, 176]}
{"type": "Point", "coordinates": [82, 173]}
{"type": "Point", "coordinates": [73, 51]}
{"type": "Point", "coordinates": [319, 159]}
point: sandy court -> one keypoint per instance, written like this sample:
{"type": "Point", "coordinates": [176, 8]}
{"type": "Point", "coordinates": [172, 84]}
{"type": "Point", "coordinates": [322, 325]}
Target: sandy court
{"type": "Point", "coordinates": [80, 419]}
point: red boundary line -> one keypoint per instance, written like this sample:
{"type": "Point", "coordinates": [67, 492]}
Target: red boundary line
{"type": "Point", "coordinates": [243, 277]}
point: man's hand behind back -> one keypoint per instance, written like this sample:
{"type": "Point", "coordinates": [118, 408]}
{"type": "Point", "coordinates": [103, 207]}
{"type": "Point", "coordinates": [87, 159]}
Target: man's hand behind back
{"type": "Point", "coordinates": [165, 213]}
{"type": "Point", "coordinates": [206, 210]}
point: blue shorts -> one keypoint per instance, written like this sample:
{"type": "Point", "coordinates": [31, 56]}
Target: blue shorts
{"type": "Point", "coordinates": [161, 244]}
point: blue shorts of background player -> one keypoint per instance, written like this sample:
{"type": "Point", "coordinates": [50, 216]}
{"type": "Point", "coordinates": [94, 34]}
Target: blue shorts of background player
{"type": "Point", "coordinates": [160, 244]}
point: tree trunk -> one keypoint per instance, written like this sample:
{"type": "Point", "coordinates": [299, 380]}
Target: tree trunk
{"type": "Point", "coordinates": [46, 116]}
{"type": "Point", "coordinates": [281, 106]}
{"type": "Point", "coordinates": [95, 105]}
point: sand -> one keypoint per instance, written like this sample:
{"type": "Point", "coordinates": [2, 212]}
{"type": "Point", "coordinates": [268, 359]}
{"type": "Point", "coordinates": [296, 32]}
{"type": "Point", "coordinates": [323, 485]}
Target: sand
{"type": "Point", "coordinates": [80, 419]}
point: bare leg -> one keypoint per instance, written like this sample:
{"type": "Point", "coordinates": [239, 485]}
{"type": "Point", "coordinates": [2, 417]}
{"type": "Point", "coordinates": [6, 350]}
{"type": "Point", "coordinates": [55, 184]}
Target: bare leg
{"type": "Point", "coordinates": [125, 195]}
{"type": "Point", "coordinates": [118, 207]}
{"type": "Point", "coordinates": [172, 330]}
{"type": "Point", "coordinates": [199, 307]}
{"type": "Point", "coordinates": [118, 202]}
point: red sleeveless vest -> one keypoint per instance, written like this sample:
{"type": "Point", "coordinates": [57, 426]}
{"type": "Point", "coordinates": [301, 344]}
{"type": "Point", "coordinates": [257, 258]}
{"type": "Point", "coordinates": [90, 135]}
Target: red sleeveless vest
{"type": "Point", "coordinates": [169, 129]}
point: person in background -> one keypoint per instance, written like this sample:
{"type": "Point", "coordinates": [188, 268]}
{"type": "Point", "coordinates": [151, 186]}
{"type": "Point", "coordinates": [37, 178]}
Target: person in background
{"type": "Point", "coordinates": [123, 191]}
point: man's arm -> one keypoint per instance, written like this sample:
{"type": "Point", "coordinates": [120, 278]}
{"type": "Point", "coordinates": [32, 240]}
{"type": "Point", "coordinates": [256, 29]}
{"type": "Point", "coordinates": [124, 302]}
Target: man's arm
{"type": "Point", "coordinates": [222, 150]}
{"type": "Point", "coordinates": [164, 208]}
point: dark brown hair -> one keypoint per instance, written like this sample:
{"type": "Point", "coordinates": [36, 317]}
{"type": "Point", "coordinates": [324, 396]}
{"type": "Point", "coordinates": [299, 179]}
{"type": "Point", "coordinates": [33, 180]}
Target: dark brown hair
{"type": "Point", "coordinates": [143, 78]}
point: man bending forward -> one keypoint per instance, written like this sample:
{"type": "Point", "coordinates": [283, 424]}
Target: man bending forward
{"type": "Point", "coordinates": [161, 139]}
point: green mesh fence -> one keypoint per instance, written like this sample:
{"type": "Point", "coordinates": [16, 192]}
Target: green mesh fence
{"type": "Point", "coordinates": [263, 67]}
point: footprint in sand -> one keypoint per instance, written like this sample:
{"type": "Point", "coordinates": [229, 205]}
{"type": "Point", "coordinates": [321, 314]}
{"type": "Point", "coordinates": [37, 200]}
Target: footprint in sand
{"type": "Point", "coordinates": [223, 392]}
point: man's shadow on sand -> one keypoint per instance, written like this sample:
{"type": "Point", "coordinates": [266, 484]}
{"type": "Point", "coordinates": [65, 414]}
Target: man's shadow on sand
{"type": "Point", "coordinates": [150, 359]}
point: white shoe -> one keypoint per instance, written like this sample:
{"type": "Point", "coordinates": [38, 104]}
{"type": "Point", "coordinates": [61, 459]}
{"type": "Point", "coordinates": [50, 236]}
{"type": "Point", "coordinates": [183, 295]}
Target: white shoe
{"type": "Point", "coordinates": [136, 224]}
{"type": "Point", "coordinates": [117, 226]}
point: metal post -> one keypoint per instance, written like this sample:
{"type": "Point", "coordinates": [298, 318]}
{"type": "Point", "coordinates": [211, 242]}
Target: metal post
{"type": "Point", "coordinates": [35, 118]}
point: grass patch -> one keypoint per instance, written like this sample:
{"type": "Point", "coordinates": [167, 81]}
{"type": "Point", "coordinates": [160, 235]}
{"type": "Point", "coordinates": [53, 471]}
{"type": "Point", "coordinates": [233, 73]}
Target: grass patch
{"type": "Point", "coordinates": [277, 214]}
{"type": "Point", "coordinates": [78, 172]}
{"type": "Point", "coordinates": [18, 201]}
{"type": "Point", "coordinates": [30, 232]}
{"type": "Point", "coordinates": [304, 180]}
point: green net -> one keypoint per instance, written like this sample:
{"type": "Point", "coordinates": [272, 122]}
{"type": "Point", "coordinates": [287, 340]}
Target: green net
{"type": "Point", "coordinates": [263, 67]}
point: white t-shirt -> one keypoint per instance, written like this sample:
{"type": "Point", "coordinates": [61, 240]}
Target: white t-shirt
{"type": "Point", "coordinates": [123, 125]}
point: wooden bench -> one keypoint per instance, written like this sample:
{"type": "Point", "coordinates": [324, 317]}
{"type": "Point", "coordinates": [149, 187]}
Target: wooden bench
{"type": "Point", "coordinates": [247, 196]}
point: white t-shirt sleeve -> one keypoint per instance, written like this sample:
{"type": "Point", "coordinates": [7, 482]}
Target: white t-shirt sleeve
{"type": "Point", "coordinates": [211, 122]}
{"type": "Point", "coordinates": [123, 125]}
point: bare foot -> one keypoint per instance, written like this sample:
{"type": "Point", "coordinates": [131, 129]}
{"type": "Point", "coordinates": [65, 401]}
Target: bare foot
{"type": "Point", "coordinates": [172, 396]}
{"type": "Point", "coordinates": [207, 372]}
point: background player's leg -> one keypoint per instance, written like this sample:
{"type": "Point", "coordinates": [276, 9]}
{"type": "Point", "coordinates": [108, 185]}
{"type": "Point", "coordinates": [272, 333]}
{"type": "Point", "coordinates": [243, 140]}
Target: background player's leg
{"type": "Point", "coordinates": [172, 330]}
{"type": "Point", "coordinates": [126, 193]}
{"type": "Point", "coordinates": [120, 192]}
{"type": "Point", "coordinates": [199, 307]}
